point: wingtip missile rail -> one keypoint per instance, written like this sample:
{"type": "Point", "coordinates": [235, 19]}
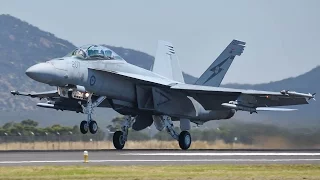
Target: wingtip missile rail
{"type": "Point", "coordinates": [14, 92]}
{"type": "Point", "coordinates": [293, 93]}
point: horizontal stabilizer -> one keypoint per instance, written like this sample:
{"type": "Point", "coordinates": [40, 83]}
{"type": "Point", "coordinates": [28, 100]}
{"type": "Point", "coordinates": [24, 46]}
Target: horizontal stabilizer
{"type": "Point", "coordinates": [274, 109]}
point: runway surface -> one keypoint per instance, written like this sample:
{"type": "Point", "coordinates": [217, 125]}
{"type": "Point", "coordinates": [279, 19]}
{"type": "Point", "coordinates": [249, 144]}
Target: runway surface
{"type": "Point", "coordinates": [158, 157]}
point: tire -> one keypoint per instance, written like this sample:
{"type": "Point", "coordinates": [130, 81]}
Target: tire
{"type": "Point", "coordinates": [93, 127]}
{"type": "Point", "coordinates": [118, 141]}
{"type": "Point", "coordinates": [184, 140]}
{"type": "Point", "coordinates": [84, 127]}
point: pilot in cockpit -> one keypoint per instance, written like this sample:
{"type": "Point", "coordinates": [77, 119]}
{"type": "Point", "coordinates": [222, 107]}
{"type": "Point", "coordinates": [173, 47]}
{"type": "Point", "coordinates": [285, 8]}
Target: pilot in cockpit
{"type": "Point", "coordinates": [94, 52]}
{"type": "Point", "coordinates": [79, 53]}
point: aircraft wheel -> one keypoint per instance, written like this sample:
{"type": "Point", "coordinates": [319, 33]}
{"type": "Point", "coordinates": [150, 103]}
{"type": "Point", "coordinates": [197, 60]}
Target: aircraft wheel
{"type": "Point", "coordinates": [118, 141]}
{"type": "Point", "coordinates": [84, 127]}
{"type": "Point", "coordinates": [93, 127]}
{"type": "Point", "coordinates": [184, 140]}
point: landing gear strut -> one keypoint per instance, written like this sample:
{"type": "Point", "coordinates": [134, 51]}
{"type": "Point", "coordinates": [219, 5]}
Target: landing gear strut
{"type": "Point", "coordinates": [184, 138]}
{"type": "Point", "coordinates": [90, 124]}
{"type": "Point", "coordinates": [120, 137]}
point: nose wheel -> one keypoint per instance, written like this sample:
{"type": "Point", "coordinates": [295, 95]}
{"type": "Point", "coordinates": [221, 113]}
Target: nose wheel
{"type": "Point", "coordinates": [84, 127]}
{"type": "Point", "coordinates": [89, 124]}
{"type": "Point", "coordinates": [93, 127]}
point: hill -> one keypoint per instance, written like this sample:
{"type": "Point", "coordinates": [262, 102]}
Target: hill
{"type": "Point", "coordinates": [23, 45]}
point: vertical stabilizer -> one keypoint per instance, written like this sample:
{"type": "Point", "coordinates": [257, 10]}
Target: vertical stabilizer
{"type": "Point", "coordinates": [214, 75]}
{"type": "Point", "coordinates": [166, 62]}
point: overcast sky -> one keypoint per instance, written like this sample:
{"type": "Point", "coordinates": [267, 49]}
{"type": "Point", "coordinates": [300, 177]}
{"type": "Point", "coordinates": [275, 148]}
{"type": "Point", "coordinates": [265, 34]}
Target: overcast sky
{"type": "Point", "coordinates": [283, 36]}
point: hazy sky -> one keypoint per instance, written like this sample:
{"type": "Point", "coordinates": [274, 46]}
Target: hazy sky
{"type": "Point", "coordinates": [283, 36]}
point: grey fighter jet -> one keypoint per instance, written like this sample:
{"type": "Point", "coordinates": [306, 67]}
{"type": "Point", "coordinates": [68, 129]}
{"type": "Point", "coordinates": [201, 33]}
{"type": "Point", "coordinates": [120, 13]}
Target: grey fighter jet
{"type": "Point", "coordinates": [94, 76]}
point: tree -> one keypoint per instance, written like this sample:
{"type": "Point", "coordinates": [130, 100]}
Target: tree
{"type": "Point", "coordinates": [8, 125]}
{"type": "Point", "coordinates": [29, 122]}
{"type": "Point", "coordinates": [133, 135]}
{"type": "Point", "coordinates": [116, 124]}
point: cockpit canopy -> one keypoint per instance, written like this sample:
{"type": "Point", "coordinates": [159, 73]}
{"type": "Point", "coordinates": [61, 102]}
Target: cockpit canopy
{"type": "Point", "coordinates": [95, 52]}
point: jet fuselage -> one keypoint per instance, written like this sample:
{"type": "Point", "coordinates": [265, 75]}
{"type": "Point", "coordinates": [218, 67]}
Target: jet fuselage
{"type": "Point", "coordinates": [68, 71]}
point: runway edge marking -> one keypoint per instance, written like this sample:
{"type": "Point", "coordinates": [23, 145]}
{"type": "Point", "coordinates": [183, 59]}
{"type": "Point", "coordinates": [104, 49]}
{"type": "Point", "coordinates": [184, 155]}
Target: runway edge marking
{"type": "Point", "coordinates": [157, 160]}
{"type": "Point", "coordinates": [222, 154]}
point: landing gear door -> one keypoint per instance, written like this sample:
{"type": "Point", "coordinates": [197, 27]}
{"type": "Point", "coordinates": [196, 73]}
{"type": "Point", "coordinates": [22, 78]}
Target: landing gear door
{"type": "Point", "coordinates": [163, 102]}
{"type": "Point", "coordinates": [145, 98]}
{"type": "Point", "coordinates": [173, 104]}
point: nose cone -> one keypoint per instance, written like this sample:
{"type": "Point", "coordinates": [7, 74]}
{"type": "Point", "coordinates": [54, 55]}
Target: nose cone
{"type": "Point", "coordinates": [42, 72]}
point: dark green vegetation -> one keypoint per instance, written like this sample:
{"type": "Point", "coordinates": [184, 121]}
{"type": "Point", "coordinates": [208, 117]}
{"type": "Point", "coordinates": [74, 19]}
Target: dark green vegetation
{"type": "Point", "coordinates": [224, 172]}
{"type": "Point", "coordinates": [27, 127]}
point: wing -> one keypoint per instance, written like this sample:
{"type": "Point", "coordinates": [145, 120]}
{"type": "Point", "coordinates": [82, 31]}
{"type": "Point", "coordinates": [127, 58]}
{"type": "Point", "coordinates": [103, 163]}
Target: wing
{"type": "Point", "coordinates": [40, 95]}
{"type": "Point", "coordinates": [212, 98]}
{"type": "Point", "coordinates": [139, 79]}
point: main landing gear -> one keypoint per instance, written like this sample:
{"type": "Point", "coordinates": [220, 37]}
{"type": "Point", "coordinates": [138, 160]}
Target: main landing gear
{"type": "Point", "coordinates": [184, 138]}
{"type": "Point", "coordinates": [120, 137]}
{"type": "Point", "coordinates": [90, 124]}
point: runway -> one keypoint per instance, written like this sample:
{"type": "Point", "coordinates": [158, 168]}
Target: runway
{"type": "Point", "coordinates": [158, 157]}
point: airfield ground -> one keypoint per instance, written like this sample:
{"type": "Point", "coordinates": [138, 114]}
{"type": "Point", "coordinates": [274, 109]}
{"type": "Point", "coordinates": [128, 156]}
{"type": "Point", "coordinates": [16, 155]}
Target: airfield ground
{"type": "Point", "coordinates": [270, 143]}
{"type": "Point", "coordinates": [153, 144]}
{"type": "Point", "coordinates": [162, 164]}
{"type": "Point", "coordinates": [172, 172]}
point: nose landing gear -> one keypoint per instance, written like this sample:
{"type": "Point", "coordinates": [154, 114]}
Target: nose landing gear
{"type": "Point", "coordinates": [90, 124]}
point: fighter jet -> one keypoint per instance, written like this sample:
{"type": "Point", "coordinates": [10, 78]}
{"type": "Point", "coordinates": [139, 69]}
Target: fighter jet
{"type": "Point", "coordinates": [95, 76]}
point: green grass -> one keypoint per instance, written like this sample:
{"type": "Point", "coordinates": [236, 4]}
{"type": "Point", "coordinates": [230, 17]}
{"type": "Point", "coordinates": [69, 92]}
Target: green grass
{"type": "Point", "coordinates": [224, 172]}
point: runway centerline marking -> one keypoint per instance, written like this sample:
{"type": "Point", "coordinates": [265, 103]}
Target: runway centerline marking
{"type": "Point", "coordinates": [222, 154]}
{"type": "Point", "coordinates": [157, 160]}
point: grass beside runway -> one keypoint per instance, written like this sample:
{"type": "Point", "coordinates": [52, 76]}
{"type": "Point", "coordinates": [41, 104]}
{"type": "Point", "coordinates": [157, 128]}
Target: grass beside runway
{"type": "Point", "coordinates": [270, 143]}
{"type": "Point", "coordinates": [172, 172]}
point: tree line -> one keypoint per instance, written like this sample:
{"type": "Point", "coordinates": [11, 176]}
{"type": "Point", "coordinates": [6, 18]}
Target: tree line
{"type": "Point", "coordinates": [239, 132]}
